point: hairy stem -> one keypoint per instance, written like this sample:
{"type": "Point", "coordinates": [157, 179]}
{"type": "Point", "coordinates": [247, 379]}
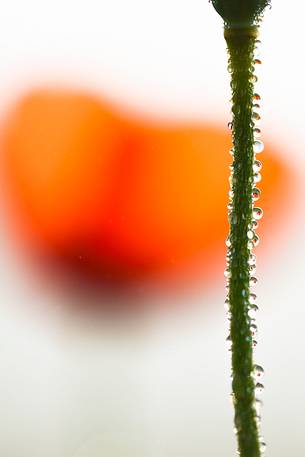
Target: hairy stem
{"type": "Point", "coordinates": [241, 45]}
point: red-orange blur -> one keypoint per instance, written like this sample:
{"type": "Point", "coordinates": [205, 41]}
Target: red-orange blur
{"type": "Point", "coordinates": [120, 195]}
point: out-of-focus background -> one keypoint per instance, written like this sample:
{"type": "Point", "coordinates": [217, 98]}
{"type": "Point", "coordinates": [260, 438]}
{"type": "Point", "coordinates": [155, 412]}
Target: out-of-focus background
{"type": "Point", "coordinates": [114, 153]}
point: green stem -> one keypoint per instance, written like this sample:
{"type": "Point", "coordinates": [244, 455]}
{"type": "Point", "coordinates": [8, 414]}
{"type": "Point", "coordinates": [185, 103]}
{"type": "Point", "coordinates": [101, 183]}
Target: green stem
{"type": "Point", "coordinates": [241, 45]}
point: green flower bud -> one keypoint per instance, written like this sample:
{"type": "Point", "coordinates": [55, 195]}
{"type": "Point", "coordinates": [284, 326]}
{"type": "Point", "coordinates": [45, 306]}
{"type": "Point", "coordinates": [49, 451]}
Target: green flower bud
{"type": "Point", "coordinates": [240, 13]}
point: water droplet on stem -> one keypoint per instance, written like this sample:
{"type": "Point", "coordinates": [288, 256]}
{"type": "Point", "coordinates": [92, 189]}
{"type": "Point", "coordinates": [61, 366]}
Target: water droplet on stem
{"type": "Point", "coordinates": [258, 146]}
{"type": "Point", "coordinates": [257, 213]}
{"type": "Point", "coordinates": [258, 372]}
{"type": "Point", "coordinates": [257, 166]}
{"type": "Point", "coordinates": [256, 194]}
{"type": "Point", "coordinates": [253, 281]}
{"type": "Point", "coordinates": [259, 388]}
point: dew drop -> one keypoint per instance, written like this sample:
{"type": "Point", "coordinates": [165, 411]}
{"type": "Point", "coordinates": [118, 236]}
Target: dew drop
{"type": "Point", "coordinates": [254, 224]}
{"type": "Point", "coordinates": [252, 298]}
{"type": "Point", "coordinates": [255, 240]}
{"type": "Point", "coordinates": [252, 269]}
{"type": "Point", "coordinates": [253, 329]}
{"type": "Point", "coordinates": [253, 311]}
{"type": "Point", "coordinates": [259, 388]}
{"type": "Point", "coordinates": [228, 242]}
{"type": "Point", "coordinates": [227, 273]}
{"type": "Point", "coordinates": [253, 281]}
{"type": "Point", "coordinates": [257, 213]}
{"type": "Point", "coordinates": [250, 234]}
{"type": "Point", "coordinates": [227, 304]}
{"type": "Point", "coordinates": [252, 259]}
{"type": "Point", "coordinates": [258, 372]}
{"type": "Point", "coordinates": [233, 401]}
{"type": "Point", "coordinates": [229, 343]}
{"type": "Point", "coordinates": [254, 343]}
{"type": "Point", "coordinates": [253, 79]}
{"type": "Point", "coordinates": [256, 194]}
{"type": "Point", "coordinates": [230, 125]}
{"type": "Point", "coordinates": [262, 446]}
{"type": "Point", "coordinates": [231, 151]}
{"type": "Point", "coordinates": [256, 97]}
{"type": "Point", "coordinates": [257, 61]}
{"type": "Point", "coordinates": [257, 166]}
{"type": "Point", "coordinates": [257, 177]}
{"type": "Point", "coordinates": [258, 405]}
{"type": "Point", "coordinates": [250, 245]}
{"type": "Point", "coordinates": [256, 132]}
{"type": "Point", "coordinates": [257, 48]}
{"type": "Point", "coordinates": [255, 116]}
{"type": "Point", "coordinates": [258, 146]}
{"type": "Point", "coordinates": [256, 107]}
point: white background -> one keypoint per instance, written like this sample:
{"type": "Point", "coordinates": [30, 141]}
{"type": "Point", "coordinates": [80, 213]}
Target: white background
{"type": "Point", "coordinates": [158, 388]}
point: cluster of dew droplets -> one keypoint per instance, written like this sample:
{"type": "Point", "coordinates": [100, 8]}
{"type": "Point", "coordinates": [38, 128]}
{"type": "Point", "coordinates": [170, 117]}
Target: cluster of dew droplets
{"type": "Point", "coordinates": [253, 241]}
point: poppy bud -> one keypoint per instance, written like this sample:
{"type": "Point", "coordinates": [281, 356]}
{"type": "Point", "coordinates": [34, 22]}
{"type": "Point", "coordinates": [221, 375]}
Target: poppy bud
{"type": "Point", "coordinates": [240, 13]}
